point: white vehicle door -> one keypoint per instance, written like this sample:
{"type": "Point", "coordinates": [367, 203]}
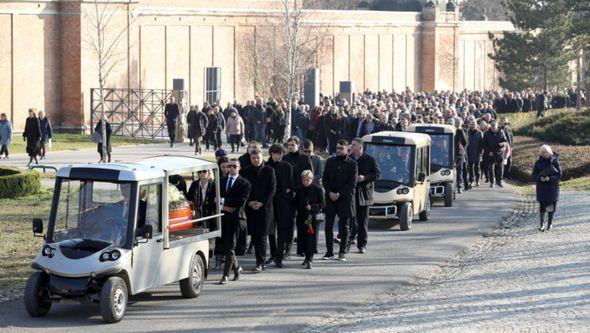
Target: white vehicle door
{"type": "Point", "coordinates": [147, 253]}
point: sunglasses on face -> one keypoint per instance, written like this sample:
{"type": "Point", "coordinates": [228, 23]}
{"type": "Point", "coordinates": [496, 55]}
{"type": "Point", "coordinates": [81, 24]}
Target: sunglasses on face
{"type": "Point", "coordinates": [341, 148]}
{"type": "Point", "coordinates": [307, 151]}
{"type": "Point", "coordinates": [232, 166]}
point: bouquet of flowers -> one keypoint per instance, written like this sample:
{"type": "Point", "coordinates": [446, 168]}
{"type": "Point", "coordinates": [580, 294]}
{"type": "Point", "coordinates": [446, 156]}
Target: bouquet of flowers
{"type": "Point", "coordinates": [176, 199]}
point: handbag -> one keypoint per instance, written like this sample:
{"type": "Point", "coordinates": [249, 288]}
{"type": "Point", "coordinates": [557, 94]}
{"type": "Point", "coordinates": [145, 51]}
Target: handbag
{"type": "Point", "coordinates": [97, 137]}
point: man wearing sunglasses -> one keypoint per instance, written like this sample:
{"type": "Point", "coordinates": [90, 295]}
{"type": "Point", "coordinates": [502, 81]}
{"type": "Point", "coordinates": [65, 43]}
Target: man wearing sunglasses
{"type": "Point", "coordinates": [234, 194]}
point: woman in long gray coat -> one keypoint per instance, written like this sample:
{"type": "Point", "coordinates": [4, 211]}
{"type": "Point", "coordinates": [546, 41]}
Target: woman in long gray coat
{"type": "Point", "coordinates": [547, 174]}
{"type": "Point", "coordinates": [5, 134]}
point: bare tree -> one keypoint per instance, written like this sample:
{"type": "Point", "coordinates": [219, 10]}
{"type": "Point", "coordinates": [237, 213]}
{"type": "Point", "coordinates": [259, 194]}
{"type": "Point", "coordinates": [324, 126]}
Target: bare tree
{"type": "Point", "coordinates": [103, 38]}
{"type": "Point", "coordinates": [282, 51]}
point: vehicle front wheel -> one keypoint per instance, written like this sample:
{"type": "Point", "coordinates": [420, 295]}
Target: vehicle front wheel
{"type": "Point", "coordinates": [405, 216]}
{"type": "Point", "coordinates": [192, 286]}
{"type": "Point", "coordinates": [426, 212]}
{"type": "Point", "coordinates": [448, 195]}
{"type": "Point", "coordinates": [113, 299]}
{"type": "Point", "coordinates": [37, 300]}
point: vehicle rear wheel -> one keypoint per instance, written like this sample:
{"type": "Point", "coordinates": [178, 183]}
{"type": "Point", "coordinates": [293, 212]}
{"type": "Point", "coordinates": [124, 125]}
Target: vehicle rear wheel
{"type": "Point", "coordinates": [192, 286]}
{"type": "Point", "coordinates": [448, 195]}
{"type": "Point", "coordinates": [405, 216]}
{"type": "Point", "coordinates": [37, 300]}
{"type": "Point", "coordinates": [113, 299]}
{"type": "Point", "coordinates": [426, 212]}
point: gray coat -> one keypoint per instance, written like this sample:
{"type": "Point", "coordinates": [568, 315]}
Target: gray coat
{"type": "Point", "coordinates": [475, 146]}
{"type": "Point", "coordinates": [318, 168]}
{"type": "Point", "coordinates": [5, 132]}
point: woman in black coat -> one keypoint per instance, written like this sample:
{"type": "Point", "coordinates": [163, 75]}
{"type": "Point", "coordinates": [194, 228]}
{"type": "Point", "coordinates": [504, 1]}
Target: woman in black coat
{"type": "Point", "coordinates": [109, 132]}
{"type": "Point", "coordinates": [309, 202]}
{"type": "Point", "coordinates": [202, 194]}
{"type": "Point", "coordinates": [32, 135]}
{"type": "Point", "coordinates": [547, 174]}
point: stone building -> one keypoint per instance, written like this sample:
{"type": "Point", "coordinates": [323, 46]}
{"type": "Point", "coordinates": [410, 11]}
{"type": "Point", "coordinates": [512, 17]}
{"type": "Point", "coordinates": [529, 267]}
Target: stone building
{"type": "Point", "coordinates": [45, 62]}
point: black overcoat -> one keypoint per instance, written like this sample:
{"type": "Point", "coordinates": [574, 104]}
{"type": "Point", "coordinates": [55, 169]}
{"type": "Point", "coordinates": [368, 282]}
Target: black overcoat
{"type": "Point", "coordinates": [33, 135]}
{"type": "Point", "coordinates": [367, 166]}
{"type": "Point", "coordinates": [264, 186]}
{"type": "Point", "coordinates": [235, 197]}
{"type": "Point", "coordinates": [283, 200]}
{"type": "Point", "coordinates": [299, 162]}
{"type": "Point", "coordinates": [340, 177]}
{"type": "Point", "coordinates": [475, 146]}
{"type": "Point", "coordinates": [547, 192]}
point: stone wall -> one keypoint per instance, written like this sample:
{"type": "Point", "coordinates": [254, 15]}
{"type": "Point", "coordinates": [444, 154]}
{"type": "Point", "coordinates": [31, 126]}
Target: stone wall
{"type": "Point", "coordinates": [47, 63]}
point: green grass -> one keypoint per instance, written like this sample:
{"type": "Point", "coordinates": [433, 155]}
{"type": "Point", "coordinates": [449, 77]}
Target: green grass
{"type": "Point", "coordinates": [578, 184]}
{"type": "Point", "coordinates": [63, 141]}
{"type": "Point", "coordinates": [563, 126]}
{"type": "Point", "coordinates": [19, 247]}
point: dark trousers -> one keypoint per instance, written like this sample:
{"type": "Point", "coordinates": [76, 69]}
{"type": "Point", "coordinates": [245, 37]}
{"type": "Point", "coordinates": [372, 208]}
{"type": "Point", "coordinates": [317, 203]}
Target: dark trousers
{"type": "Point", "coordinates": [495, 171]}
{"type": "Point", "coordinates": [300, 232]}
{"type": "Point", "coordinates": [484, 170]}
{"type": "Point", "coordinates": [284, 241]}
{"type": "Point", "coordinates": [342, 230]}
{"type": "Point", "coordinates": [172, 132]}
{"type": "Point", "coordinates": [259, 132]}
{"type": "Point", "coordinates": [473, 168]}
{"type": "Point", "coordinates": [259, 248]}
{"type": "Point", "coordinates": [235, 139]}
{"type": "Point", "coordinates": [507, 167]}
{"type": "Point", "coordinates": [209, 139]}
{"type": "Point", "coordinates": [362, 222]}
{"type": "Point", "coordinates": [309, 241]}
{"type": "Point", "coordinates": [332, 139]}
{"type": "Point", "coordinates": [42, 148]}
{"type": "Point", "coordinates": [229, 236]}
{"type": "Point", "coordinates": [217, 139]}
{"type": "Point", "coordinates": [4, 150]}
{"type": "Point", "coordinates": [353, 229]}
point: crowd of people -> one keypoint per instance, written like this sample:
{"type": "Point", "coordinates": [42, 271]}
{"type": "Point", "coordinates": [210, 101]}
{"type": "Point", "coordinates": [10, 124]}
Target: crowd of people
{"type": "Point", "coordinates": [294, 190]}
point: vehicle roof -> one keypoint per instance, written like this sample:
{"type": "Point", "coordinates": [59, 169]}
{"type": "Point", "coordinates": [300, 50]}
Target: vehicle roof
{"type": "Point", "coordinates": [400, 138]}
{"type": "Point", "coordinates": [149, 168]}
{"type": "Point", "coordinates": [432, 128]}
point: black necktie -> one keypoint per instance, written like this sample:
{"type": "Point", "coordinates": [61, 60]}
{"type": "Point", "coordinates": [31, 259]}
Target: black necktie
{"type": "Point", "coordinates": [229, 183]}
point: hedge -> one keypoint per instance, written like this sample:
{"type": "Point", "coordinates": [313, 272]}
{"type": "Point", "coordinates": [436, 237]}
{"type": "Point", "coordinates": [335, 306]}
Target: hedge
{"type": "Point", "coordinates": [16, 183]}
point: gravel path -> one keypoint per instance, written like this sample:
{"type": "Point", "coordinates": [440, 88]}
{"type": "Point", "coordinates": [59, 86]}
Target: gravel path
{"type": "Point", "coordinates": [516, 279]}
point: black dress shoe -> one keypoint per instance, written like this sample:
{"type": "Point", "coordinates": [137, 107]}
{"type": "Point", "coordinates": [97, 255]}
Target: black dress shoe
{"type": "Point", "coordinates": [279, 264]}
{"type": "Point", "coordinates": [237, 272]}
{"type": "Point", "coordinates": [224, 280]}
{"type": "Point", "coordinates": [270, 261]}
{"type": "Point", "coordinates": [308, 265]}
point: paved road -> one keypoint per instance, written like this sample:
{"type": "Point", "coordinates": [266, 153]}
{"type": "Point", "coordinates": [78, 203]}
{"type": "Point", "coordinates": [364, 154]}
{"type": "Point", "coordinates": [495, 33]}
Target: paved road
{"type": "Point", "coordinates": [282, 300]}
{"type": "Point", "coordinates": [520, 280]}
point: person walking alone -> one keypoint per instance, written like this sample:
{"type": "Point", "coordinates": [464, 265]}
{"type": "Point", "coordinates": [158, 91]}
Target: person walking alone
{"type": "Point", "coordinates": [547, 174]}
{"type": "Point", "coordinates": [109, 132]}
{"type": "Point", "coordinates": [32, 135]}
{"type": "Point", "coordinates": [171, 113]}
{"type": "Point", "coordinates": [5, 135]}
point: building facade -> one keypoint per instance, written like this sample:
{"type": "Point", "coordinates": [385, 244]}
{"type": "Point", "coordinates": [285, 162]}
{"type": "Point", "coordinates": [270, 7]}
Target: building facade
{"type": "Point", "coordinates": [47, 62]}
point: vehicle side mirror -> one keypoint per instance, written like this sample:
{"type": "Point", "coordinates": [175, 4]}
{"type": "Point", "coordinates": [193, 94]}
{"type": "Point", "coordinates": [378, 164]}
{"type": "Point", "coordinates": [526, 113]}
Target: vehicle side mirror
{"type": "Point", "coordinates": [421, 177]}
{"type": "Point", "coordinates": [37, 226]}
{"type": "Point", "coordinates": [146, 231]}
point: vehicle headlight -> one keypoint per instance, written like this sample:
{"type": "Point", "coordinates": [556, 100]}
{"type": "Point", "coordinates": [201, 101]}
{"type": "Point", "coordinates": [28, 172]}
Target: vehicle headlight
{"type": "Point", "coordinates": [115, 255]}
{"type": "Point", "coordinates": [48, 251]}
{"type": "Point", "coordinates": [445, 172]}
{"type": "Point", "coordinates": [112, 255]}
{"type": "Point", "coordinates": [404, 190]}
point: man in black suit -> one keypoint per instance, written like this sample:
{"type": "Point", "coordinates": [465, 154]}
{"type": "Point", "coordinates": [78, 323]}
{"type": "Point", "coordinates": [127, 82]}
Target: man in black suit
{"type": "Point", "coordinates": [171, 112]}
{"type": "Point", "coordinates": [339, 180]}
{"type": "Point", "coordinates": [368, 173]}
{"type": "Point", "coordinates": [234, 194]}
{"type": "Point", "coordinates": [259, 209]}
{"type": "Point", "coordinates": [300, 162]}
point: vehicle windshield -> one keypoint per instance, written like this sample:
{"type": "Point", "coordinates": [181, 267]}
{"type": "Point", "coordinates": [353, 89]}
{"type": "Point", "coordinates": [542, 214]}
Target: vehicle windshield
{"type": "Point", "coordinates": [441, 150]}
{"type": "Point", "coordinates": [395, 162]}
{"type": "Point", "coordinates": [90, 209]}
